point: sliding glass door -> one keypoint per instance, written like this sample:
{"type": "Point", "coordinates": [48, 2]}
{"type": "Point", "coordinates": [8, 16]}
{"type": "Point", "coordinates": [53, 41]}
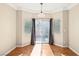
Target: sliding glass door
{"type": "Point", "coordinates": [42, 30]}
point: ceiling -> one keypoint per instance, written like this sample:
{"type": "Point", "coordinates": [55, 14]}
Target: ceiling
{"type": "Point", "coordinates": [47, 7]}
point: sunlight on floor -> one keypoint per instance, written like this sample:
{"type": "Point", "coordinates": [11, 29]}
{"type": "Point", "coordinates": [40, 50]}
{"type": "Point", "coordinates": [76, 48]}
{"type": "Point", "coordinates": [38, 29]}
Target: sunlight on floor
{"type": "Point", "coordinates": [42, 50]}
{"type": "Point", "coordinates": [36, 50]}
{"type": "Point", "coordinates": [46, 50]}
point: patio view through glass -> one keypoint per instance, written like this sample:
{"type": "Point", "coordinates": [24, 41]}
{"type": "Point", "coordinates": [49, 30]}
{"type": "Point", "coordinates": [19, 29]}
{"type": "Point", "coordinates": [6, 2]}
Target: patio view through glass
{"type": "Point", "coordinates": [42, 31]}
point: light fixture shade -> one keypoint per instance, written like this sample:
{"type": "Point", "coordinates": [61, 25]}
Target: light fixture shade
{"type": "Point", "coordinates": [41, 15]}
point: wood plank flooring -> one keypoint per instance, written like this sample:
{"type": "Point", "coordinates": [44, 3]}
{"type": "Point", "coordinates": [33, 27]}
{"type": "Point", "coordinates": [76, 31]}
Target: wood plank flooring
{"type": "Point", "coordinates": [60, 51]}
{"type": "Point", "coordinates": [22, 51]}
{"type": "Point", "coordinates": [46, 50]}
{"type": "Point", "coordinates": [42, 50]}
{"type": "Point", "coordinates": [36, 50]}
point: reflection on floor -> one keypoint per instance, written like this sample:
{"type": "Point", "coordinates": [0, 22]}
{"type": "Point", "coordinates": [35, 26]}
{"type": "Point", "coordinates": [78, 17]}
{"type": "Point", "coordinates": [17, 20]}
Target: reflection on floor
{"type": "Point", "coordinates": [42, 50]}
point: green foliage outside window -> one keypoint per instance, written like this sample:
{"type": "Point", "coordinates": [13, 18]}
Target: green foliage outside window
{"type": "Point", "coordinates": [57, 26]}
{"type": "Point", "coordinates": [28, 26]}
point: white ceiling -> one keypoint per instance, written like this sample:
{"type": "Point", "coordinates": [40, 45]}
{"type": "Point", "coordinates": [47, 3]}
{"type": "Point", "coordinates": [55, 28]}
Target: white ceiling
{"type": "Point", "coordinates": [47, 7]}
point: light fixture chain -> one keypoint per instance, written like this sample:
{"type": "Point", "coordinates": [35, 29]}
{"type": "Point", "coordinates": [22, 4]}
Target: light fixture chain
{"type": "Point", "coordinates": [41, 7]}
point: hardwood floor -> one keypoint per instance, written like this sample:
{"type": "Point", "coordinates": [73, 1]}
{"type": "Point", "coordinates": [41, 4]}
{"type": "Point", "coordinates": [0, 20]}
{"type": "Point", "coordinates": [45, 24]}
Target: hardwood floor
{"type": "Point", "coordinates": [59, 51]}
{"type": "Point", "coordinates": [22, 51]}
{"type": "Point", "coordinates": [46, 50]}
{"type": "Point", "coordinates": [51, 50]}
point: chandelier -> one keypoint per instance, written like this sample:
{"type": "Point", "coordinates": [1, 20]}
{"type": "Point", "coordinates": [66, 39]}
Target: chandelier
{"type": "Point", "coordinates": [41, 14]}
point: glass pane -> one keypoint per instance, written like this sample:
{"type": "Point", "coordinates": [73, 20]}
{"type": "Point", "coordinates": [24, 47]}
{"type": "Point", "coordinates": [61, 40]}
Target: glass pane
{"type": "Point", "coordinates": [28, 26]}
{"type": "Point", "coordinates": [42, 31]}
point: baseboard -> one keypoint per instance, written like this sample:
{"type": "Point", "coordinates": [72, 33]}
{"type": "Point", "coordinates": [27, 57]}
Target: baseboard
{"type": "Point", "coordinates": [59, 45]}
{"type": "Point", "coordinates": [74, 51]}
{"type": "Point", "coordinates": [23, 45]}
{"type": "Point", "coordinates": [9, 51]}
{"type": "Point", "coordinates": [18, 45]}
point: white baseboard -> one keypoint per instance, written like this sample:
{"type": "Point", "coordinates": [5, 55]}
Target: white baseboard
{"type": "Point", "coordinates": [59, 45]}
{"type": "Point", "coordinates": [9, 51]}
{"type": "Point", "coordinates": [74, 51]}
{"type": "Point", "coordinates": [23, 45]}
{"type": "Point", "coordinates": [18, 45]}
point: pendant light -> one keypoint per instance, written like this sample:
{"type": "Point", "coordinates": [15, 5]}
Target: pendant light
{"type": "Point", "coordinates": [41, 14]}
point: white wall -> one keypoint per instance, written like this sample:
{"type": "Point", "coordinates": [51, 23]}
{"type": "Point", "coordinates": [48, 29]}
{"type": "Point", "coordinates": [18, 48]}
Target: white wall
{"type": "Point", "coordinates": [26, 37]}
{"type": "Point", "coordinates": [61, 38]}
{"type": "Point", "coordinates": [74, 28]}
{"type": "Point", "coordinates": [18, 27]}
{"type": "Point", "coordinates": [7, 28]}
{"type": "Point", "coordinates": [66, 28]}
{"type": "Point", "coordinates": [58, 37]}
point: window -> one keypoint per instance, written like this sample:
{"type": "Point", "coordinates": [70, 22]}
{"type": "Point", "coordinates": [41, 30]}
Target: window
{"type": "Point", "coordinates": [57, 26]}
{"type": "Point", "coordinates": [28, 26]}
